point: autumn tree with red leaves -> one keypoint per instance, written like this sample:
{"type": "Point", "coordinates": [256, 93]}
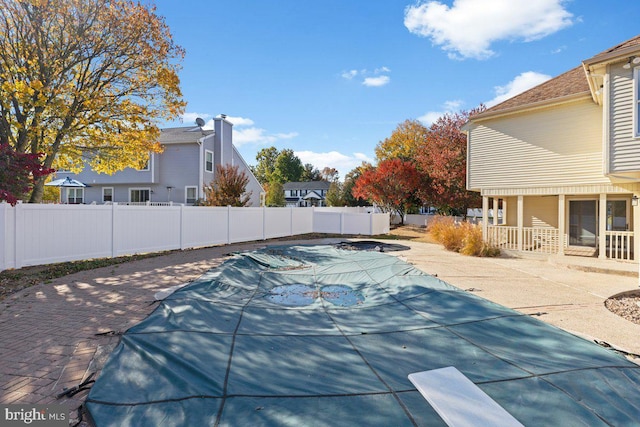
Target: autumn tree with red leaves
{"type": "Point", "coordinates": [227, 188]}
{"type": "Point", "coordinates": [444, 159]}
{"type": "Point", "coordinates": [393, 185]}
{"type": "Point", "coordinates": [17, 173]}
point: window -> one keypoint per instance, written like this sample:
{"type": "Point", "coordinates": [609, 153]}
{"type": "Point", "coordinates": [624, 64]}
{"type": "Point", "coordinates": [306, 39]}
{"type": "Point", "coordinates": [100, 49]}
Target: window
{"type": "Point", "coordinates": [208, 161]}
{"type": "Point", "coordinates": [294, 193]}
{"type": "Point", "coordinates": [191, 195]}
{"type": "Point", "coordinates": [75, 196]}
{"type": "Point", "coordinates": [139, 194]}
{"type": "Point", "coordinates": [107, 194]}
{"type": "Point", "coordinates": [617, 215]}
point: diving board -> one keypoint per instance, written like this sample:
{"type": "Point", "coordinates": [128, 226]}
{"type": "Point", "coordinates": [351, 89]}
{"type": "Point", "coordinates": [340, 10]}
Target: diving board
{"type": "Point", "coordinates": [458, 401]}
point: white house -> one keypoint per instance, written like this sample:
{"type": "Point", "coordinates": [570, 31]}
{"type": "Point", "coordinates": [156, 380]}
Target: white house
{"type": "Point", "coordinates": [309, 193]}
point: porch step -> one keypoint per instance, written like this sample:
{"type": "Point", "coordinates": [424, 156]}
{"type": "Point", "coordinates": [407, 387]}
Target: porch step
{"type": "Point", "coordinates": [581, 251]}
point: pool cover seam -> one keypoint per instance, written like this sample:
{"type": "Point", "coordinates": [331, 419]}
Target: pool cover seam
{"type": "Point", "coordinates": [252, 396]}
{"type": "Point", "coordinates": [340, 332]}
{"type": "Point", "coordinates": [366, 362]}
{"type": "Point", "coordinates": [373, 393]}
{"type": "Point", "coordinates": [231, 349]}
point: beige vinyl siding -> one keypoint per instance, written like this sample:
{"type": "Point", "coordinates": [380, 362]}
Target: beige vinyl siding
{"type": "Point", "coordinates": [512, 209]}
{"type": "Point", "coordinates": [541, 211]}
{"type": "Point", "coordinates": [624, 148]}
{"type": "Point", "coordinates": [538, 211]}
{"type": "Point", "coordinates": [557, 146]}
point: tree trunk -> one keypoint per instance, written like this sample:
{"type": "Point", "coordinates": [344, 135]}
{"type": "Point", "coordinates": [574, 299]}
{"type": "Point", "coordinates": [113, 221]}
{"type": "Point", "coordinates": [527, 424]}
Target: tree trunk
{"type": "Point", "coordinates": [38, 190]}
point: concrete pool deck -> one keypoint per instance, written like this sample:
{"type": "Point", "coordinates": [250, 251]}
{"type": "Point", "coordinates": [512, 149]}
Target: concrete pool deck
{"type": "Point", "coordinates": [48, 332]}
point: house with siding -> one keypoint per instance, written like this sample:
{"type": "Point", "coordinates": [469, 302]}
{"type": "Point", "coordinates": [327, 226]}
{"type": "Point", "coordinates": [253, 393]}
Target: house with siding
{"type": "Point", "coordinates": [562, 160]}
{"type": "Point", "coordinates": [304, 194]}
{"type": "Point", "coordinates": [176, 175]}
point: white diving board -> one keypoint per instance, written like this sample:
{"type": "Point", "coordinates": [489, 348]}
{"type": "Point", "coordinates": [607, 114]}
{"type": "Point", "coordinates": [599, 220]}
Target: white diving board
{"type": "Point", "coordinates": [458, 401]}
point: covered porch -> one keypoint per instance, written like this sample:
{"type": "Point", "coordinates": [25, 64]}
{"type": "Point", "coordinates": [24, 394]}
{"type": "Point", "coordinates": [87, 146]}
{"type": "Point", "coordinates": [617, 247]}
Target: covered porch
{"type": "Point", "coordinates": [589, 224]}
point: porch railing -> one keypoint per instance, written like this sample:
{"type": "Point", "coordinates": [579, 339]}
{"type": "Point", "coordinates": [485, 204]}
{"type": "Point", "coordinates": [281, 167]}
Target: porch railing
{"type": "Point", "coordinates": [619, 244]}
{"type": "Point", "coordinates": [534, 239]}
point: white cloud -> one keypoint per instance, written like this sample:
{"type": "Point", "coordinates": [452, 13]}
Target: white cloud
{"type": "Point", "coordinates": [452, 106]}
{"type": "Point", "coordinates": [376, 81]}
{"type": "Point", "coordinates": [190, 118]}
{"type": "Point", "coordinates": [376, 78]}
{"type": "Point", "coordinates": [334, 159]}
{"type": "Point", "coordinates": [449, 107]}
{"type": "Point", "coordinates": [349, 74]}
{"type": "Point", "coordinates": [240, 121]}
{"type": "Point", "coordinates": [519, 84]}
{"type": "Point", "coordinates": [254, 135]}
{"type": "Point", "coordinates": [430, 117]}
{"type": "Point", "coordinates": [289, 135]}
{"type": "Point", "coordinates": [469, 27]}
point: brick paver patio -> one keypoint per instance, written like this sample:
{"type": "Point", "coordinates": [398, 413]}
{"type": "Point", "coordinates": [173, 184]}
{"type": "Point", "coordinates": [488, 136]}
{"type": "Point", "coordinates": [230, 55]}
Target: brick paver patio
{"type": "Point", "coordinates": [49, 333]}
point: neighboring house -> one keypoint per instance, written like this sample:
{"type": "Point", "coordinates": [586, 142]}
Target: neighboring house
{"type": "Point", "coordinates": [562, 160]}
{"type": "Point", "coordinates": [309, 193]}
{"type": "Point", "coordinates": [176, 175]}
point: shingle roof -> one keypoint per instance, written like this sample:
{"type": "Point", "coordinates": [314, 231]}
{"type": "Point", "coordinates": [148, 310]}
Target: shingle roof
{"type": "Point", "coordinates": [183, 134]}
{"type": "Point", "coordinates": [572, 82]}
{"type": "Point", "coordinates": [631, 43]}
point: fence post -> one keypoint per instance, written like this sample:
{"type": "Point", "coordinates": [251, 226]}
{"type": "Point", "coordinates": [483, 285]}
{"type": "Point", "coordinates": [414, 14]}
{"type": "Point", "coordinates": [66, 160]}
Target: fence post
{"type": "Point", "coordinates": [18, 241]}
{"type": "Point", "coordinates": [228, 224]}
{"type": "Point", "coordinates": [114, 226]}
{"type": "Point", "coordinates": [264, 223]}
{"type": "Point", "coordinates": [3, 237]}
{"type": "Point", "coordinates": [341, 222]}
{"type": "Point", "coordinates": [370, 224]}
{"type": "Point", "coordinates": [181, 226]}
{"type": "Point", "coordinates": [290, 220]}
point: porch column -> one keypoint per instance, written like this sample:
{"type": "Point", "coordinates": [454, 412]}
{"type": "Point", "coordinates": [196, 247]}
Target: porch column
{"type": "Point", "coordinates": [602, 227]}
{"type": "Point", "coordinates": [504, 211]}
{"type": "Point", "coordinates": [520, 222]}
{"type": "Point", "coordinates": [495, 210]}
{"type": "Point", "coordinates": [561, 223]}
{"type": "Point", "coordinates": [636, 231]}
{"type": "Point", "coordinates": [485, 217]}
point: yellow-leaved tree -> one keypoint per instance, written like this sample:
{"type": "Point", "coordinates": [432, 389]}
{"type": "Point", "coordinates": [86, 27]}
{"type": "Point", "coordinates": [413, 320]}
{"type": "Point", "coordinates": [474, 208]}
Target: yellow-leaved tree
{"type": "Point", "coordinates": [404, 143]}
{"type": "Point", "coordinates": [86, 82]}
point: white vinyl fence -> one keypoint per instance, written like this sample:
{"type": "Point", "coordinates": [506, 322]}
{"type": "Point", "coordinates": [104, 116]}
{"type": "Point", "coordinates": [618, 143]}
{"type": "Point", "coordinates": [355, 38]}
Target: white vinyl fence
{"type": "Point", "coordinates": [34, 234]}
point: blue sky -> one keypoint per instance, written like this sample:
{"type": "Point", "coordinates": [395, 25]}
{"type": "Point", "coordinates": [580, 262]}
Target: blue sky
{"type": "Point", "coordinates": [332, 78]}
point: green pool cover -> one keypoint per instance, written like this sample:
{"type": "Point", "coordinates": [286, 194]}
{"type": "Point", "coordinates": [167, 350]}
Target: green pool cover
{"type": "Point", "coordinates": [324, 336]}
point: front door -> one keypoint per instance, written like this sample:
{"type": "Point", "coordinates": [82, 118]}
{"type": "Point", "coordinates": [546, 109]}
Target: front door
{"type": "Point", "coordinates": [582, 223]}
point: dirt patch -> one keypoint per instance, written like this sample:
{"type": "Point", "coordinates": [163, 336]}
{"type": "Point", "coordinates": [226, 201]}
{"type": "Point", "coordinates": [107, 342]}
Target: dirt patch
{"type": "Point", "coordinates": [626, 306]}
